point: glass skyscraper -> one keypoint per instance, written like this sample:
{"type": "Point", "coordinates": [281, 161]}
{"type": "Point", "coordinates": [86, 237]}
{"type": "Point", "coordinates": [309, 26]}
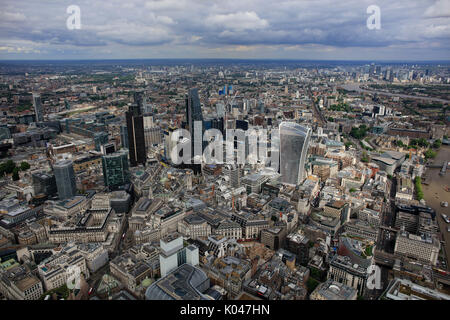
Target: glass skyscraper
{"type": "Point", "coordinates": [294, 144]}
{"type": "Point", "coordinates": [100, 138]}
{"type": "Point", "coordinates": [44, 183]}
{"type": "Point", "coordinates": [115, 168]}
{"type": "Point", "coordinates": [124, 136]}
{"type": "Point", "coordinates": [136, 136]}
{"type": "Point", "coordinates": [194, 113]}
{"type": "Point", "coordinates": [65, 179]}
{"type": "Point", "coordinates": [38, 109]}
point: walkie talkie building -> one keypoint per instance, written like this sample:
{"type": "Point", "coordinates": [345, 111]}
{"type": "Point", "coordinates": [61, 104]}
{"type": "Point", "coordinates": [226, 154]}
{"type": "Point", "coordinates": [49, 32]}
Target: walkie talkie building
{"type": "Point", "coordinates": [294, 143]}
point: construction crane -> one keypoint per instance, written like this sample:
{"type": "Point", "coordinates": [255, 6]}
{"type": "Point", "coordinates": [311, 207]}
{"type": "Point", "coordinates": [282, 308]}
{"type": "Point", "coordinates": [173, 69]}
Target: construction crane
{"type": "Point", "coordinates": [229, 102]}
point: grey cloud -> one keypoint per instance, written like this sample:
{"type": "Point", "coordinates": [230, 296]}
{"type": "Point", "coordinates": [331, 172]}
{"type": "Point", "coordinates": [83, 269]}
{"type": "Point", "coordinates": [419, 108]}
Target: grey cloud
{"type": "Point", "coordinates": [214, 23]}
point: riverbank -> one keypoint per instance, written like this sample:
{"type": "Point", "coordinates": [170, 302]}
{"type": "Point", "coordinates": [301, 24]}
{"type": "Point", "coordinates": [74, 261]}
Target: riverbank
{"type": "Point", "coordinates": [434, 193]}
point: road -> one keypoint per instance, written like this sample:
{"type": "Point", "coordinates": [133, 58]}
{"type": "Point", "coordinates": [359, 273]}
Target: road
{"type": "Point", "coordinates": [318, 114]}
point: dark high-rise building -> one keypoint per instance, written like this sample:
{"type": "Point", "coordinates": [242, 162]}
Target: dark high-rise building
{"type": "Point", "coordinates": [44, 183]}
{"type": "Point", "coordinates": [139, 99]}
{"type": "Point", "coordinates": [242, 124]}
{"type": "Point", "coordinates": [194, 113]}
{"type": "Point", "coordinates": [108, 148]}
{"type": "Point", "coordinates": [124, 136]}
{"type": "Point", "coordinates": [215, 123]}
{"type": "Point", "coordinates": [65, 179]}
{"type": "Point", "coordinates": [38, 109]}
{"type": "Point", "coordinates": [136, 136]}
{"type": "Point", "coordinates": [100, 138]}
{"type": "Point", "coordinates": [5, 133]}
{"type": "Point", "coordinates": [115, 169]}
{"type": "Point", "coordinates": [261, 106]}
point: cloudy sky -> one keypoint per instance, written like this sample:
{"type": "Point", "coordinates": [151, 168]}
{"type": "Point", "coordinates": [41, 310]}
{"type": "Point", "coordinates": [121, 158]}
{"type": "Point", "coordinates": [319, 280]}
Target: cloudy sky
{"type": "Point", "coordinates": [279, 29]}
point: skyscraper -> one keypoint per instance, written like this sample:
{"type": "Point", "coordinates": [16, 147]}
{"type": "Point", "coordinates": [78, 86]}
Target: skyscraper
{"type": "Point", "coordinates": [174, 254]}
{"type": "Point", "coordinates": [115, 168]}
{"type": "Point", "coordinates": [152, 132]}
{"type": "Point", "coordinates": [193, 113]}
{"type": "Point", "coordinates": [294, 143]}
{"type": "Point", "coordinates": [38, 109]}
{"type": "Point", "coordinates": [233, 173]}
{"type": "Point", "coordinates": [124, 136]}
{"type": "Point", "coordinates": [100, 138]}
{"type": "Point", "coordinates": [44, 183]}
{"type": "Point", "coordinates": [65, 179]}
{"type": "Point", "coordinates": [136, 137]}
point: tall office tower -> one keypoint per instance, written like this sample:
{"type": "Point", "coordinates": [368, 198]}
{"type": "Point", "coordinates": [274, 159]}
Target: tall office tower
{"type": "Point", "coordinates": [124, 136]}
{"type": "Point", "coordinates": [100, 138]}
{"type": "Point", "coordinates": [139, 100]}
{"type": "Point", "coordinates": [219, 124]}
{"type": "Point", "coordinates": [220, 110]}
{"type": "Point", "coordinates": [65, 179]}
{"type": "Point", "coordinates": [294, 144]}
{"type": "Point", "coordinates": [38, 109]}
{"type": "Point", "coordinates": [242, 124]}
{"type": "Point", "coordinates": [214, 123]}
{"type": "Point", "coordinates": [173, 253]}
{"type": "Point", "coordinates": [44, 183]}
{"type": "Point", "coordinates": [194, 113]}
{"type": "Point", "coordinates": [168, 143]}
{"type": "Point", "coordinates": [233, 174]}
{"type": "Point", "coordinates": [115, 168]}
{"type": "Point", "coordinates": [108, 148]}
{"type": "Point", "coordinates": [261, 106]}
{"type": "Point", "coordinates": [152, 132]}
{"type": "Point", "coordinates": [136, 137]}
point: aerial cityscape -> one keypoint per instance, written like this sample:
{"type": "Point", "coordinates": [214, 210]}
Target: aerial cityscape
{"type": "Point", "coordinates": [222, 177]}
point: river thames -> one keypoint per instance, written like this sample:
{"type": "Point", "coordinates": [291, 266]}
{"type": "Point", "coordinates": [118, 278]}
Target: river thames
{"type": "Point", "coordinates": [435, 193]}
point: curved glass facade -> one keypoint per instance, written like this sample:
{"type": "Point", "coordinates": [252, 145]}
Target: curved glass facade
{"type": "Point", "coordinates": [294, 143]}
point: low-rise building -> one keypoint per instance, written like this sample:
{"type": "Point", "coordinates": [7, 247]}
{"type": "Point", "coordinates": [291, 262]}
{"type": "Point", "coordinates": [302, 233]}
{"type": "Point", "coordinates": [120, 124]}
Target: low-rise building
{"type": "Point", "coordinates": [333, 290]}
{"type": "Point", "coordinates": [53, 270]}
{"type": "Point", "coordinates": [193, 226]}
{"type": "Point", "coordinates": [19, 284]}
{"type": "Point", "coordinates": [424, 247]}
{"type": "Point", "coordinates": [403, 289]}
{"type": "Point", "coordinates": [343, 270]}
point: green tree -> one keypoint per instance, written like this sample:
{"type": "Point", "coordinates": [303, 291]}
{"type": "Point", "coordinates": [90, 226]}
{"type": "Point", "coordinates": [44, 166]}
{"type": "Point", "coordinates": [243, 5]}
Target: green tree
{"type": "Point", "coordinates": [15, 174]}
{"type": "Point", "coordinates": [423, 142]}
{"type": "Point", "coordinates": [400, 143]}
{"type": "Point", "coordinates": [9, 166]}
{"type": "Point", "coordinates": [429, 154]}
{"type": "Point", "coordinates": [359, 132]}
{"type": "Point", "coordinates": [311, 284]}
{"type": "Point", "coordinates": [437, 144]}
{"type": "Point", "coordinates": [24, 166]}
{"type": "Point", "coordinates": [418, 185]}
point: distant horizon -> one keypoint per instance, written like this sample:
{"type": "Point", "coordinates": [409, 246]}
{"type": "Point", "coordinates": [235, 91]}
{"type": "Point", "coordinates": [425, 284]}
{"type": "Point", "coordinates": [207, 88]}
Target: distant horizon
{"type": "Point", "coordinates": [230, 59]}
